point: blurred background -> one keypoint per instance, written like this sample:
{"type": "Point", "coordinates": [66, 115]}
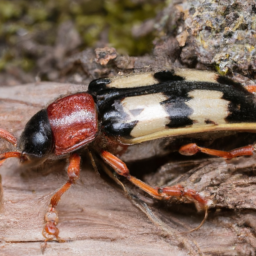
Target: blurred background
{"type": "Point", "coordinates": [78, 40]}
{"type": "Point", "coordinates": [37, 37]}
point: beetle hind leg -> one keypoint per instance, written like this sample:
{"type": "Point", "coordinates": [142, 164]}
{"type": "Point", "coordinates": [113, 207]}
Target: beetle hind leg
{"type": "Point", "coordinates": [185, 194]}
{"type": "Point", "coordinates": [166, 193]}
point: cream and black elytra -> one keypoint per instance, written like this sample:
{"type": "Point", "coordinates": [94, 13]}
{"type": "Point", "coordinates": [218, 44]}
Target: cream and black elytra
{"type": "Point", "coordinates": [172, 103]}
{"type": "Point", "coordinates": [120, 115]}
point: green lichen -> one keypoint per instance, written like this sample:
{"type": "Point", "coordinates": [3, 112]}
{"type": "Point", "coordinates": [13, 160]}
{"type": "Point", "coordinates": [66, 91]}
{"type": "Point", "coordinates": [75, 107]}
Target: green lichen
{"type": "Point", "coordinates": [40, 21]}
{"type": "Point", "coordinates": [9, 10]}
{"type": "Point", "coordinates": [222, 33]}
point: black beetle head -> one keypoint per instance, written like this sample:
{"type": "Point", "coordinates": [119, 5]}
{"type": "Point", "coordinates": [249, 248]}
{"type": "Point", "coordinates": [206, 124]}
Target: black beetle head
{"type": "Point", "coordinates": [36, 140]}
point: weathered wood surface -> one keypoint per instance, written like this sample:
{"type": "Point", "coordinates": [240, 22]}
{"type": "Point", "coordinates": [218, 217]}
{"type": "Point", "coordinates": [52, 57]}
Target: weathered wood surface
{"type": "Point", "coordinates": [95, 216]}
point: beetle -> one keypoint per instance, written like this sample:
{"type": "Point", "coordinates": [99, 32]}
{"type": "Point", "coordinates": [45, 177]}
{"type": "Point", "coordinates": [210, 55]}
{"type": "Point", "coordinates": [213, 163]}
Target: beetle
{"type": "Point", "coordinates": [120, 115]}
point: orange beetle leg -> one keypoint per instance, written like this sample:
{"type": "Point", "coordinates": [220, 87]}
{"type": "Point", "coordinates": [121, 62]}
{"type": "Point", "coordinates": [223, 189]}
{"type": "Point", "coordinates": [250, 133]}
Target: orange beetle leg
{"type": "Point", "coordinates": [191, 149]}
{"type": "Point", "coordinates": [159, 193]}
{"type": "Point", "coordinates": [251, 88]}
{"type": "Point", "coordinates": [50, 230]}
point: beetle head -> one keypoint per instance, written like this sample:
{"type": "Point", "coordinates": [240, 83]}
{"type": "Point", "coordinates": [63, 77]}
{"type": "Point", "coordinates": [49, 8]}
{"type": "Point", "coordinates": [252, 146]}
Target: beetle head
{"type": "Point", "coordinates": [35, 143]}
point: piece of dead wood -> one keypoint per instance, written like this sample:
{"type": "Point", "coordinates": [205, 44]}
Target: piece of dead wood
{"type": "Point", "coordinates": [95, 216]}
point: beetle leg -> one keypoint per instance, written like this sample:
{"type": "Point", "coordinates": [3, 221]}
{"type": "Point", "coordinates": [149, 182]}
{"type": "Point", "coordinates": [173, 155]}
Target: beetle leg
{"type": "Point", "coordinates": [8, 136]}
{"type": "Point", "coordinates": [159, 193]}
{"type": "Point", "coordinates": [251, 88]}
{"type": "Point", "coordinates": [180, 192]}
{"type": "Point", "coordinates": [19, 155]}
{"type": "Point", "coordinates": [50, 230]}
{"type": "Point", "coordinates": [192, 149]}
{"type": "Point", "coordinates": [184, 193]}
{"type": "Point", "coordinates": [120, 168]}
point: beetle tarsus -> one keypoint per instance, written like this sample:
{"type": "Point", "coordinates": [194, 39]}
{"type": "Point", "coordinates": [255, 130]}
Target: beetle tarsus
{"type": "Point", "coordinates": [184, 194]}
{"type": "Point", "coordinates": [50, 231]}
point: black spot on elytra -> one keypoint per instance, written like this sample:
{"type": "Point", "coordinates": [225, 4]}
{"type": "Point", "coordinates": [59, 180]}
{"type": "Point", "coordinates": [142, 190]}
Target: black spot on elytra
{"type": "Point", "coordinates": [98, 85]}
{"type": "Point", "coordinates": [227, 81]}
{"type": "Point", "coordinates": [115, 121]}
{"type": "Point", "coordinates": [243, 112]}
{"type": "Point", "coordinates": [165, 76]}
{"type": "Point", "coordinates": [178, 111]}
{"type": "Point", "coordinates": [120, 129]}
{"type": "Point", "coordinates": [208, 121]}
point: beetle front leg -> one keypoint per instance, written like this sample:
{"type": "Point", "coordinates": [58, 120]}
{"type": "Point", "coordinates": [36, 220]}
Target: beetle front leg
{"type": "Point", "coordinates": [10, 138]}
{"type": "Point", "coordinates": [192, 149]}
{"type": "Point", "coordinates": [165, 193]}
{"type": "Point", "coordinates": [50, 230]}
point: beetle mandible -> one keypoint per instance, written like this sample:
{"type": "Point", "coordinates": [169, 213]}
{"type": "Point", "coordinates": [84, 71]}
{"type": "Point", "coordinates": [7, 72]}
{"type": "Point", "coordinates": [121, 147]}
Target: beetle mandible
{"type": "Point", "coordinates": [117, 114]}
